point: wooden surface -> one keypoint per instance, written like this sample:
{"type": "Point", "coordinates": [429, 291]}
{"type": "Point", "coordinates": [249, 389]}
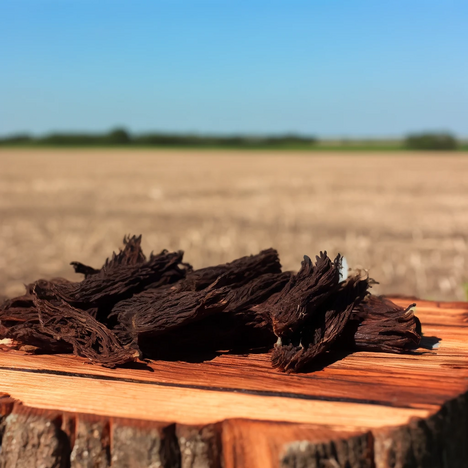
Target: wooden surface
{"type": "Point", "coordinates": [363, 410]}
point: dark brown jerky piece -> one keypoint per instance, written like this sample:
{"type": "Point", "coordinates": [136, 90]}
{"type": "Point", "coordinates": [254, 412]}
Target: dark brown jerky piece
{"type": "Point", "coordinates": [19, 320]}
{"type": "Point", "coordinates": [88, 337]}
{"type": "Point", "coordinates": [378, 324]}
{"type": "Point", "coordinates": [241, 301]}
{"type": "Point", "coordinates": [124, 274]}
{"type": "Point", "coordinates": [155, 311]}
{"type": "Point", "coordinates": [131, 254]}
{"type": "Point", "coordinates": [245, 269]}
{"type": "Point", "coordinates": [114, 282]}
{"type": "Point", "coordinates": [171, 311]}
{"type": "Point", "coordinates": [323, 327]}
{"type": "Point", "coordinates": [59, 328]}
{"type": "Point", "coordinates": [303, 295]}
{"type": "Point", "coordinates": [236, 273]}
{"type": "Point", "coordinates": [237, 326]}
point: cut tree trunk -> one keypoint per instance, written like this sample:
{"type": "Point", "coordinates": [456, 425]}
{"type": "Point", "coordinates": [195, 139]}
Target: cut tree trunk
{"type": "Point", "coordinates": [361, 410]}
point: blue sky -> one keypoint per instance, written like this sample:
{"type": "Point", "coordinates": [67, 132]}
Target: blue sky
{"type": "Point", "coordinates": [322, 67]}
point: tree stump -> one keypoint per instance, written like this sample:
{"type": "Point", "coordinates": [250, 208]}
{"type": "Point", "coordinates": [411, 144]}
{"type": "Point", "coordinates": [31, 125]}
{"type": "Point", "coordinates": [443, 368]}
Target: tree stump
{"type": "Point", "coordinates": [362, 410]}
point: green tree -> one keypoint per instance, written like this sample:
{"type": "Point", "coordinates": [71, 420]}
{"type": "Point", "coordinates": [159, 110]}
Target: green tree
{"type": "Point", "coordinates": [431, 141]}
{"type": "Point", "coordinates": [119, 136]}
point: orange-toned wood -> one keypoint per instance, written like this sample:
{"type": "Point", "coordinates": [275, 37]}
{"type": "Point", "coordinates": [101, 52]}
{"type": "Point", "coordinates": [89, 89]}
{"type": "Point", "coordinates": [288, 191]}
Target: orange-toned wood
{"type": "Point", "coordinates": [238, 411]}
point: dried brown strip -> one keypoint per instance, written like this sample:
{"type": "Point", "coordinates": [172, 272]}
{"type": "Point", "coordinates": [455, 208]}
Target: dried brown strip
{"type": "Point", "coordinates": [115, 281]}
{"type": "Point", "coordinates": [378, 324]}
{"type": "Point", "coordinates": [240, 285]}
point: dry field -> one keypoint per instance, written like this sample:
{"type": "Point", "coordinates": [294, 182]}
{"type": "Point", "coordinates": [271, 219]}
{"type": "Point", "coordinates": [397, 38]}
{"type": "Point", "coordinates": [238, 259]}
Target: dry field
{"type": "Point", "coordinates": [402, 216]}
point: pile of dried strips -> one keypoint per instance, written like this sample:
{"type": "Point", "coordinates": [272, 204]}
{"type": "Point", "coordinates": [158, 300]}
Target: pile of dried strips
{"type": "Point", "coordinates": [161, 308]}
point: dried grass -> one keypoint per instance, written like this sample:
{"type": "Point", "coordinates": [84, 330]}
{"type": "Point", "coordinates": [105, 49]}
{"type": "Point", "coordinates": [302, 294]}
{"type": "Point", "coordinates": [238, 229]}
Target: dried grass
{"type": "Point", "coordinates": [402, 216]}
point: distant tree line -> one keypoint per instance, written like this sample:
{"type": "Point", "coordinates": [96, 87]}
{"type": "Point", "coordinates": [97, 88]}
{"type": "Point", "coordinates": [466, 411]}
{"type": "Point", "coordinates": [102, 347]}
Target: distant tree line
{"type": "Point", "coordinates": [431, 141]}
{"type": "Point", "coordinates": [121, 137]}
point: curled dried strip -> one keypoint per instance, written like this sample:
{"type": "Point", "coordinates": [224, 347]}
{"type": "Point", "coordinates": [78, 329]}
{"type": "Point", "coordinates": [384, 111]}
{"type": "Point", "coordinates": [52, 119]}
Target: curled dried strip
{"type": "Point", "coordinates": [244, 300]}
{"type": "Point", "coordinates": [172, 311]}
{"type": "Point", "coordinates": [19, 321]}
{"type": "Point", "coordinates": [235, 327]}
{"type": "Point", "coordinates": [239, 285]}
{"type": "Point", "coordinates": [303, 295]}
{"type": "Point", "coordinates": [322, 328]}
{"type": "Point", "coordinates": [246, 269]}
{"type": "Point", "coordinates": [114, 283]}
{"type": "Point", "coordinates": [235, 274]}
{"type": "Point", "coordinates": [60, 328]}
{"type": "Point", "coordinates": [88, 337]}
{"type": "Point", "coordinates": [131, 254]}
{"type": "Point", "coordinates": [381, 325]}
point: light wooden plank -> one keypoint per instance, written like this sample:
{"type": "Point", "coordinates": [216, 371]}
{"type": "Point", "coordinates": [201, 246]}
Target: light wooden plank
{"type": "Point", "coordinates": [190, 406]}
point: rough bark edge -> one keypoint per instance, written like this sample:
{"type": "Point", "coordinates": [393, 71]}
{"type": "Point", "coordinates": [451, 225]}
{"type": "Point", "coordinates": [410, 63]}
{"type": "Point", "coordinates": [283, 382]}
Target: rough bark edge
{"type": "Point", "coordinates": [31, 437]}
{"type": "Point", "coordinates": [352, 452]}
{"type": "Point", "coordinates": [200, 446]}
{"type": "Point", "coordinates": [438, 441]}
{"type": "Point", "coordinates": [77, 440]}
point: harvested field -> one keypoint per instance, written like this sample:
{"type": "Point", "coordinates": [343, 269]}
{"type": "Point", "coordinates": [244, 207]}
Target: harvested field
{"type": "Point", "coordinates": [404, 216]}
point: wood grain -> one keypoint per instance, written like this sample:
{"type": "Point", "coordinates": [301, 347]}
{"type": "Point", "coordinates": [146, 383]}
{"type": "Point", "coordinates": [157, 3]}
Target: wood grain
{"type": "Point", "coordinates": [363, 410]}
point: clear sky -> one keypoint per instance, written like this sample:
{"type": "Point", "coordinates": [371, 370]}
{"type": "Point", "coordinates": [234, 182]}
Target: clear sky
{"type": "Point", "coordinates": [321, 67]}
